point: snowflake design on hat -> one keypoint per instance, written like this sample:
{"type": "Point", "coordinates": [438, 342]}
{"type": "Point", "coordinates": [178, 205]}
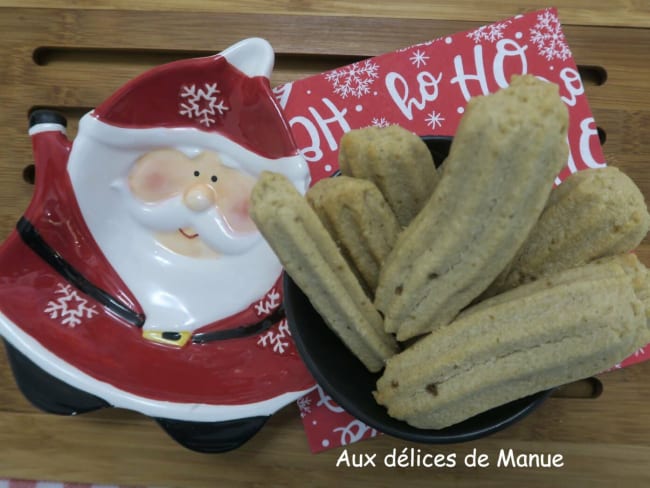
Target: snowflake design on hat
{"type": "Point", "coordinates": [354, 80]}
{"type": "Point", "coordinates": [490, 33]}
{"type": "Point", "coordinates": [548, 37]}
{"type": "Point", "coordinates": [69, 307]}
{"type": "Point", "coordinates": [202, 104]}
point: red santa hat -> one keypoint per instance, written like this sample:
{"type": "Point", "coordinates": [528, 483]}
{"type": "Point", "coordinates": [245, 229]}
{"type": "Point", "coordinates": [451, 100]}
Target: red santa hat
{"type": "Point", "coordinates": [226, 94]}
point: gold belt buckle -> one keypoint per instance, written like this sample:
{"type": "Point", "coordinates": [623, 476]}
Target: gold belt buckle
{"type": "Point", "coordinates": [178, 339]}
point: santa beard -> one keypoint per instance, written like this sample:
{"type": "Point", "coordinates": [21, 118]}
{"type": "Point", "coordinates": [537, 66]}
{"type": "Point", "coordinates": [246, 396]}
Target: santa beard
{"type": "Point", "coordinates": [176, 292]}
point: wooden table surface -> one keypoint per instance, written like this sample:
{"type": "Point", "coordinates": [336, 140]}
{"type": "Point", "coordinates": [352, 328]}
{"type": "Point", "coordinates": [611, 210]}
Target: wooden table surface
{"type": "Point", "coordinates": [70, 58]}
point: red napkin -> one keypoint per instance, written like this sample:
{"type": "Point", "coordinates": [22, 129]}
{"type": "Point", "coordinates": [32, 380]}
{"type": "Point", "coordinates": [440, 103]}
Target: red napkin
{"type": "Point", "coordinates": [425, 88]}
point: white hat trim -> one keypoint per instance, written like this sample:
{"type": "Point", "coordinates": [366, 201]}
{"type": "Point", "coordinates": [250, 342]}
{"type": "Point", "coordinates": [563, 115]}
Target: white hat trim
{"type": "Point", "coordinates": [253, 57]}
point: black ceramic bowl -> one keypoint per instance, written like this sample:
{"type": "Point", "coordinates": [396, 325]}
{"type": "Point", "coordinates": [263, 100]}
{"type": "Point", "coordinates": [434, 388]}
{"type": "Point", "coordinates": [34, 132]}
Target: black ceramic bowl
{"type": "Point", "coordinates": [350, 384]}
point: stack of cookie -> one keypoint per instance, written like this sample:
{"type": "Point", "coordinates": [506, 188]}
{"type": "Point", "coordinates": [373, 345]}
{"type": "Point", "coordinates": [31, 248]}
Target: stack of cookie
{"type": "Point", "coordinates": [478, 284]}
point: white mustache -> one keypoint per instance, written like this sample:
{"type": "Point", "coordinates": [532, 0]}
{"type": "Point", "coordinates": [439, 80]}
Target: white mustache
{"type": "Point", "coordinates": [172, 214]}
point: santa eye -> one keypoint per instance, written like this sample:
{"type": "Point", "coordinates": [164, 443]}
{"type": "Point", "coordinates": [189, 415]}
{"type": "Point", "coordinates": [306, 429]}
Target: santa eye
{"type": "Point", "coordinates": [214, 178]}
{"type": "Point", "coordinates": [197, 173]}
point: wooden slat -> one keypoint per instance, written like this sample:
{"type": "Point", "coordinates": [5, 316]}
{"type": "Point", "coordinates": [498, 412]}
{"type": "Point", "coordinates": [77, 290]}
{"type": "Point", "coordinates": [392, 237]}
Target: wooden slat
{"type": "Point", "coordinates": [611, 13]}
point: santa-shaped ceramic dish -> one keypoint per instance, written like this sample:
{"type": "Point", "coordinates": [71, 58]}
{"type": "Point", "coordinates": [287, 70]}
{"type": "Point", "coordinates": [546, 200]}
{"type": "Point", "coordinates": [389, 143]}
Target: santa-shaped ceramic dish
{"type": "Point", "coordinates": [135, 278]}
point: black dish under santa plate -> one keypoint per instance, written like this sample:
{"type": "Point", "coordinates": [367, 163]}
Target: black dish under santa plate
{"type": "Point", "coordinates": [350, 384]}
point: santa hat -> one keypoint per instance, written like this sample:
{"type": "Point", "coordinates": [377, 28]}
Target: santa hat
{"type": "Point", "coordinates": [225, 96]}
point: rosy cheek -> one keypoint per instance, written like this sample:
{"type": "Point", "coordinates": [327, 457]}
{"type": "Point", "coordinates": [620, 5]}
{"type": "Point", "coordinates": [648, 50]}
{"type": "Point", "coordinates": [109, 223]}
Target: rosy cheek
{"type": "Point", "coordinates": [152, 186]}
{"type": "Point", "coordinates": [239, 218]}
{"type": "Point", "coordinates": [155, 182]}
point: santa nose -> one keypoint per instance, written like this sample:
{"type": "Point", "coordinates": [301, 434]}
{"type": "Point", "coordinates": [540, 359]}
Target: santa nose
{"type": "Point", "coordinates": [199, 197]}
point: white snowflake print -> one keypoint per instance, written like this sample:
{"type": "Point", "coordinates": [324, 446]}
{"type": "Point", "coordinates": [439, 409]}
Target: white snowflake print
{"type": "Point", "coordinates": [640, 351]}
{"type": "Point", "coordinates": [354, 80]}
{"type": "Point", "coordinates": [380, 122]}
{"type": "Point", "coordinates": [434, 119]}
{"type": "Point", "coordinates": [354, 431]}
{"type": "Point", "coordinates": [419, 58]}
{"type": "Point", "coordinates": [490, 33]}
{"type": "Point", "coordinates": [304, 405]}
{"type": "Point", "coordinates": [277, 337]}
{"type": "Point", "coordinates": [547, 36]}
{"type": "Point", "coordinates": [69, 307]}
{"type": "Point", "coordinates": [269, 303]}
{"type": "Point", "coordinates": [202, 104]}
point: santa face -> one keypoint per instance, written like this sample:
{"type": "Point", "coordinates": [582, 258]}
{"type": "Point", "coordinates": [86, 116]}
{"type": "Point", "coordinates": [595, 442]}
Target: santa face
{"type": "Point", "coordinates": [204, 202]}
{"type": "Point", "coordinates": [183, 244]}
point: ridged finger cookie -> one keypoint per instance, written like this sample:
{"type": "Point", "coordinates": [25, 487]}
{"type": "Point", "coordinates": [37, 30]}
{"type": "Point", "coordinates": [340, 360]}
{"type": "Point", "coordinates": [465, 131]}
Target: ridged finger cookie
{"type": "Point", "coordinates": [362, 224]}
{"type": "Point", "coordinates": [560, 329]}
{"type": "Point", "coordinates": [495, 182]}
{"type": "Point", "coordinates": [592, 214]}
{"type": "Point", "coordinates": [311, 257]}
{"type": "Point", "coordinates": [395, 160]}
